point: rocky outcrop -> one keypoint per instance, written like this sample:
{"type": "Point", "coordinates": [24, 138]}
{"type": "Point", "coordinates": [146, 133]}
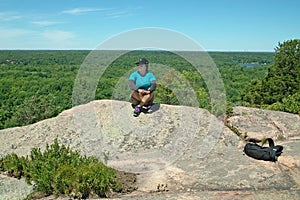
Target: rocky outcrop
{"type": "Point", "coordinates": [178, 152]}
{"type": "Point", "coordinates": [259, 124]}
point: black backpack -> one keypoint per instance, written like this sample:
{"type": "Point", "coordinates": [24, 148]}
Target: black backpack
{"type": "Point", "coordinates": [270, 153]}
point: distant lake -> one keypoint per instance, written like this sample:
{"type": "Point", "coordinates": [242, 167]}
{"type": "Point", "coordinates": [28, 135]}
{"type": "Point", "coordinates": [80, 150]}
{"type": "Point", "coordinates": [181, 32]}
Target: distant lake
{"type": "Point", "coordinates": [250, 65]}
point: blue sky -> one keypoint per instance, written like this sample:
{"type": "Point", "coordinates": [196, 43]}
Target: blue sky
{"type": "Point", "coordinates": [217, 25]}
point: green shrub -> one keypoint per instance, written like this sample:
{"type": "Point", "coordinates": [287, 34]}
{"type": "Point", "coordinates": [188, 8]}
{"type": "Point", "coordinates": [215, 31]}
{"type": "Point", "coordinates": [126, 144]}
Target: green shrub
{"type": "Point", "coordinates": [289, 104]}
{"type": "Point", "coordinates": [14, 165]}
{"type": "Point", "coordinates": [292, 103]}
{"type": "Point", "coordinates": [66, 181]}
{"type": "Point", "coordinates": [59, 170]}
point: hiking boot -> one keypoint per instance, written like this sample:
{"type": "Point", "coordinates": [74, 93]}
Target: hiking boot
{"type": "Point", "coordinates": [137, 111]}
{"type": "Point", "coordinates": [147, 107]}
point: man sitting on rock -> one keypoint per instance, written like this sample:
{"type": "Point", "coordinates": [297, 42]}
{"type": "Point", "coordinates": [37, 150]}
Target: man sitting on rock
{"type": "Point", "coordinates": [142, 84]}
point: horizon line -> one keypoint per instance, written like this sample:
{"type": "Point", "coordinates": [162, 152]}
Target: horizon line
{"type": "Point", "coordinates": [88, 49]}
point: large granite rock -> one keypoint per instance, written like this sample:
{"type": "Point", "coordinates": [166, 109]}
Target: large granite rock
{"type": "Point", "coordinates": [257, 123]}
{"type": "Point", "coordinates": [185, 148]}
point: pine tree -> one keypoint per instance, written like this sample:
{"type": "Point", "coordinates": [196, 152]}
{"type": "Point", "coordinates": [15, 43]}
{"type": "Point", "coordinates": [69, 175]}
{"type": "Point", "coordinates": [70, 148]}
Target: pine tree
{"type": "Point", "coordinates": [283, 78]}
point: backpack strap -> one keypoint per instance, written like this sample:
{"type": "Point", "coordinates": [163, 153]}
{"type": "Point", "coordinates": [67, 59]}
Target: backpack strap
{"type": "Point", "coordinates": [271, 142]}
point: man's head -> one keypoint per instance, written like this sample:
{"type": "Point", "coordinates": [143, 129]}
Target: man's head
{"type": "Point", "coordinates": [142, 61]}
{"type": "Point", "coordinates": [142, 65]}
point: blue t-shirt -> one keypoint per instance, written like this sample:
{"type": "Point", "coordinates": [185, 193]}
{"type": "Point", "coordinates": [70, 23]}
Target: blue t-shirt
{"type": "Point", "coordinates": [143, 82]}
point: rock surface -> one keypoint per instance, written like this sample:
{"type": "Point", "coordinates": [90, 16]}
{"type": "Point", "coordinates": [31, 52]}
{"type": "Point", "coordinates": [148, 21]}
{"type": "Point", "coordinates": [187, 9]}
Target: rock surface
{"type": "Point", "coordinates": [179, 152]}
{"type": "Point", "coordinates": [257, 123]}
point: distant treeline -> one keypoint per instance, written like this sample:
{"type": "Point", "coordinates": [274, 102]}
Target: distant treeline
{"type": "Point", "coordinates": [39, 84]}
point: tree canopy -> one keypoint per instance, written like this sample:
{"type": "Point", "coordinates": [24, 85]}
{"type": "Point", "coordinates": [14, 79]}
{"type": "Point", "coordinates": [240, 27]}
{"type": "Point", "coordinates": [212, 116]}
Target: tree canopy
{"type": "Point", "coordinates": [35, 85]}
{"type": "Point", "coordinates": [280, 88]}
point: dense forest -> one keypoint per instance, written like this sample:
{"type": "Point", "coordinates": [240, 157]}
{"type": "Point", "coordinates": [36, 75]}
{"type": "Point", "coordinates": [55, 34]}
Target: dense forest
{"type": "Point", "coordinates": [36, 85]}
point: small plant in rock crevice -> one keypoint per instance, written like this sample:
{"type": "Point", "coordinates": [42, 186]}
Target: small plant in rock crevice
{"type": "Point", "coordinates": [162, 188]}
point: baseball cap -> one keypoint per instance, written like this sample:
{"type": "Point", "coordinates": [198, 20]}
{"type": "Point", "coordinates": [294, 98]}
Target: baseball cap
{"type": "Point", "coordinates": [142, 61]}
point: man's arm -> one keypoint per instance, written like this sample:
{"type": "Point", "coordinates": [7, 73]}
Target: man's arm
{"type": "Point", "coordinates": [132, 85]}
{"type": "Point", "coordinates": [153, 86]}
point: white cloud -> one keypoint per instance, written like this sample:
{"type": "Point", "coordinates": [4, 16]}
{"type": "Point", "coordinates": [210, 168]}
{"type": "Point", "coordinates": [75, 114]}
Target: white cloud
{"type": "Point", "coordinates": [82, 10]}
{"type": "Point", "coordinates": [45, 23]}
{"type": "Point", "coordinates": [15, 38]}
{"type": "Point", "coordinates": [30, 39]}
{"type": "Point", "coordinates": [13, 32]}
{"type": "Point", "coordinates": [115, 15]}
{"type": "Point", "coordinates": [9, 16]}
{"type": "Point", "coordinates": [58, 35]}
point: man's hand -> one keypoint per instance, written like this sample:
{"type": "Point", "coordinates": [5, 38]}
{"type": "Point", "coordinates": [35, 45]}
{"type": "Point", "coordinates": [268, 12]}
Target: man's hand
{"type": "Point", "coordinates": [143, 92]}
